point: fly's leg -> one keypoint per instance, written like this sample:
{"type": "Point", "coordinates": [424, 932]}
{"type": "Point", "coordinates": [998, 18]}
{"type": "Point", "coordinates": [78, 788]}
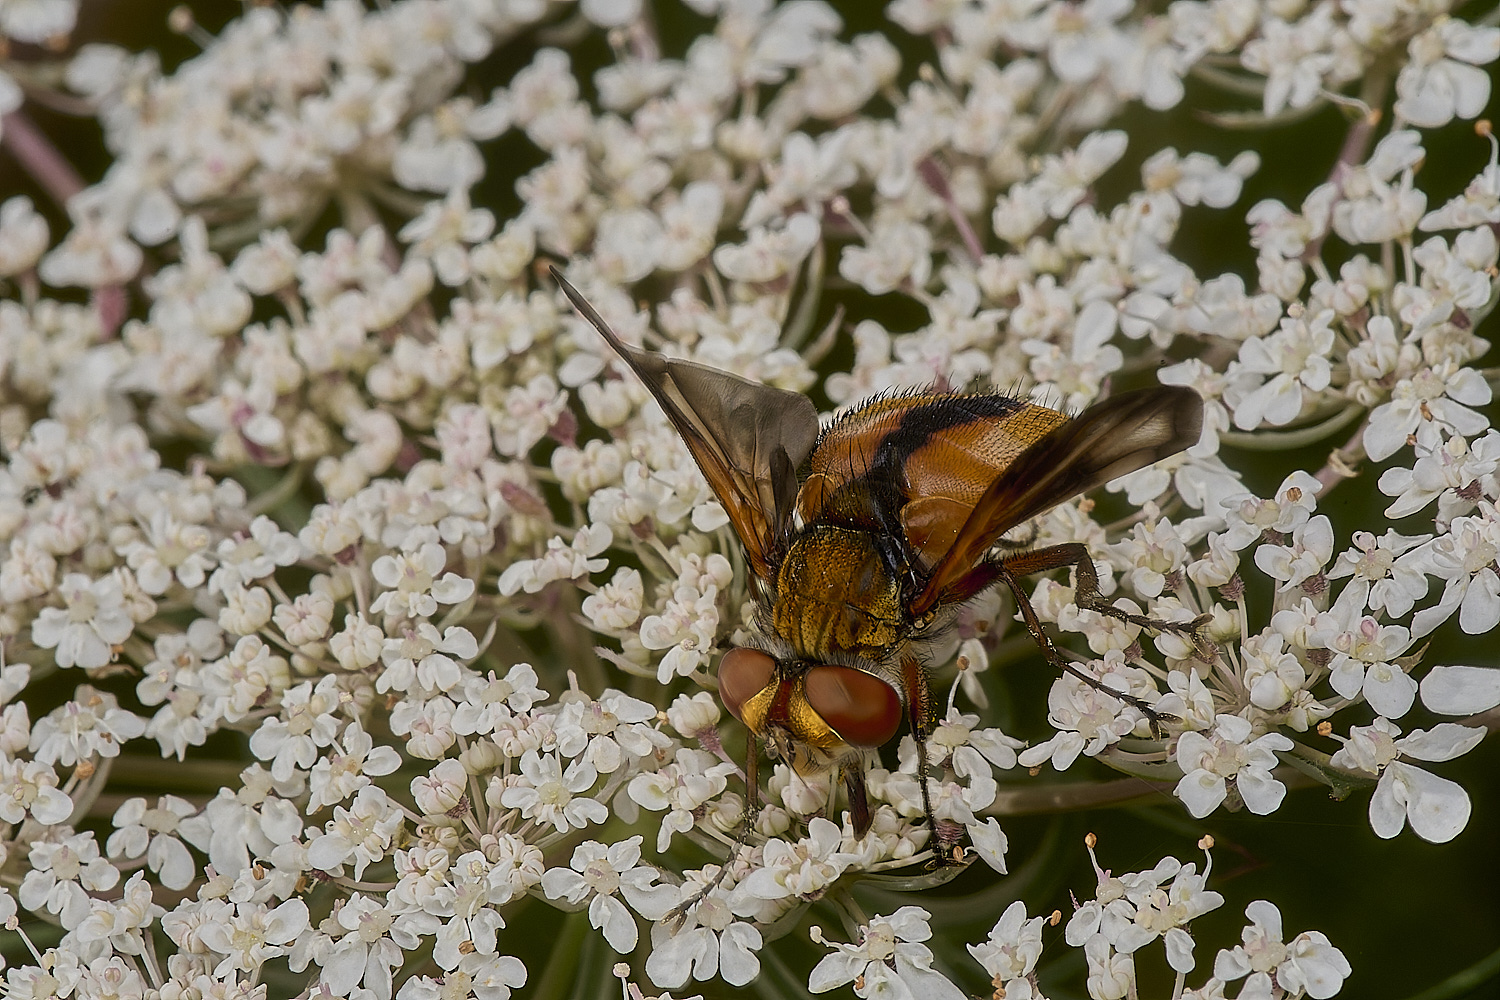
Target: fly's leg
{"type": "Point", "coordinates": [919, 715]}
{"type": "Point", "coordinates": [1087, 595]}
{"type": "Point", "coordinates": [677, 915]}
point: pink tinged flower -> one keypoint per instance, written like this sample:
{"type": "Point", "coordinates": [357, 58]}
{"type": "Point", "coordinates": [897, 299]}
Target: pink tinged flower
{"type": "Point", "coordinates": [890, 960]}
{"type": "Point", "coordinates": [560, 562]}
{"type": "Point", "coordinates": [92, 622]}
{"type": "Point", "coordinates": [1279, 233]}
{"type": "Point", "coordinates": [617, 604]}
{"type": "Point", "coordinates": [489, 701]}
{"type": "Point", "coordinates": [306, 724]}
{"type": "Point", "coordinates": [628, 243]}
{"type": "Point", "coordinates": [547, 794]}
{"type": "Point", "coordinates": [441, 789]}
{"type": "Point", "coordinates": [23, 231]}
{"type": "Point", "coordinates": [610, 731]}
{"type": "Point", "coordinates": [1209, 762]}
{"type": "Point", "coordinates": [95, 253]}
{"type": "Point", "coordinates": [1452, 475]}
{"type": "Point", "coordinates": [441, 232]}
{"type": "Point", "coordinates": [1311, 549]}
{"type": "Point", "coordinates": [62, 875]}
{"type": "Point", "coordinates": [1272, 673]}
{"type": "Point", "coordinates": [92, 724]}
{"type": "Point", "coordinates": [1455, 282]}
{"type": "Point", "coordinates": [808, 171]}
{"type": "Point", "coordinates": [1437, 808]}
{"type": "Point", "coordinates": [253, 555]}
{"type": "Point", "coordinates": [1291, 360]}
{"type": "Point", "coordinates": [423, 660]}
{"type": "Point", "coordinates": [681, 788]}
{"type": "Point", "coordinates": [1313, 966]}
{"type": "Point", "coordinates": [427, 725]}
{"type": "Point", "coordinates": [1379, 580]}
{"type": "Point", "coordinates": [686, 628]}
{"type": "Point", "coordinates": [491, 977]}
{"type": "Point", "coordinates": [1198, 178]}
{"type": "Point", "coordinates": [370, 949]}
{"type": "Point", "coordinates": [122, 922]}
{"type": "Point", "coordinates": [711, 943]}
{"type": "Point", "coordinates": [989, 841]}
{"type": "Point", "coordinates": [1111, 973]}
{"type": "Point", "coordinates": [361, 833]}
{"type": "Point", "coordinates": [1479, 203]}
{"type": "Point", "coordinates": [802, 870]}
{"type": "Point", "coordinates": [1362, 664]}
{"type": "Point", "coordinates": [1294, 59]}
{"type": "Point", "coordinates": [1249, 517]}
{"type": "Point", "coordinates": [1088, 721]}
{"type": "Point", "coordinates": [1063, 180]}
{"type": "Point", "coordinates": [769, 254]}
{"type": "Point", "coordinates": [896, 254]}
{"type": "Point", "coordinates": [414, 585]}
{"type": "Point", "coordinates": [348, 766]}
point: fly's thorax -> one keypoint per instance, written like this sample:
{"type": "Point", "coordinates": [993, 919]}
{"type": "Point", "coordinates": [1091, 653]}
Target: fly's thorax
{"type": "Point", "coordinates": [836, 594]}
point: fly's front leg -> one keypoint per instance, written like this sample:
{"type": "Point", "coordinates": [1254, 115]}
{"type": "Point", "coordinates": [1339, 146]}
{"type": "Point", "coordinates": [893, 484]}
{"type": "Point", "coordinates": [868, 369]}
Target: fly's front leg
{"type": "Point", "coordinates": [677, 915]}
{"type": "Point", "coordinates": [919, 715]}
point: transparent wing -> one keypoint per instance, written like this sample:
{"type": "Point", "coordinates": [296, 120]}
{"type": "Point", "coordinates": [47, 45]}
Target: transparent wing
{"type": "Point", "coordinates": [748, 438]}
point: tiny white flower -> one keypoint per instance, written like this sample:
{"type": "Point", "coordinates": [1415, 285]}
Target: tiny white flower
{"type": "Point", "coordinates": [888, 960]}
{"type": "Point", "coordinates": [1012, 951]}
{"type": "Point", "coordinates": [597, 874]}
{"type": "Point", "coordinates": [1309, 964]}
{"type": "Point", "coordinates": [93, 622]}
{"type": "Point", "coordinates": [1437, 808]}
{"type": "Point", "coordinates": [1443, 79]}
{"type": "Point", "coordinates": [1209, 762]}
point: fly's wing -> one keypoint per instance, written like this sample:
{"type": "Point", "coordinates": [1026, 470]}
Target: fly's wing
{"type": "Point", "coordinates": [1111, 439]}
{"type": "Point", "coordinates": [748, 438]}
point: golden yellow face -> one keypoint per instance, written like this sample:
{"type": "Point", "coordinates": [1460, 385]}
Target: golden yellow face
{"type": "Point", "coordinates": [814, 714]}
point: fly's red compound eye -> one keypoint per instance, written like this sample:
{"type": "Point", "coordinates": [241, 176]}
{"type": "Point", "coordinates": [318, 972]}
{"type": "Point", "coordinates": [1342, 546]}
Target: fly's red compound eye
{"type": "Point", "coordinates": [743, 674]}
{"type": "Point", "coordinates": [864, 710]}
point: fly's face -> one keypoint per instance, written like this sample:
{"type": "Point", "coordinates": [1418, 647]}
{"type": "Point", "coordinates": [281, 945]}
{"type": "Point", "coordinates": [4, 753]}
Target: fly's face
{"type": "Point", "coordinates": [861, 535]}
{"type": "Point", "coordinates": [814, 716]}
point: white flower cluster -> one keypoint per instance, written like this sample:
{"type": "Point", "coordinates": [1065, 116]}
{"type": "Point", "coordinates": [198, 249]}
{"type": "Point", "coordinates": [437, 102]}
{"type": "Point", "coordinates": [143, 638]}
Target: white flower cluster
{"type": "Point", "coordinates": [1128, 912]}
{"type": "Point", "coordinates": [318, 471]}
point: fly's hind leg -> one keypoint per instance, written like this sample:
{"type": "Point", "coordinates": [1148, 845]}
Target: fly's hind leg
{"type": "Point", "coordinates": [1087, 595]}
